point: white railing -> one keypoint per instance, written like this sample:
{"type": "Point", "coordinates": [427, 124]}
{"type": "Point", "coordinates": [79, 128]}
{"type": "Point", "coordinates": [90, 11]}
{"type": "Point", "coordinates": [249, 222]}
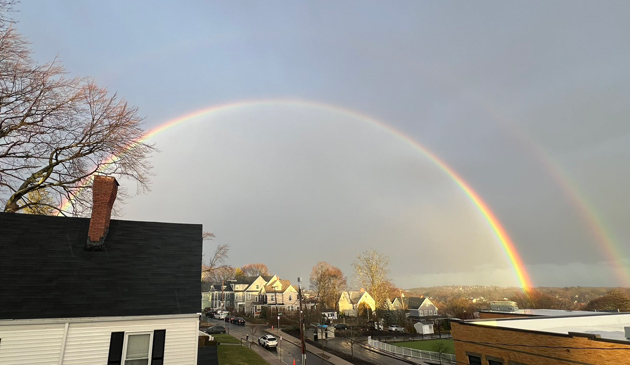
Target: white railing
{"type": "Point", "coordinates": [413, 353]}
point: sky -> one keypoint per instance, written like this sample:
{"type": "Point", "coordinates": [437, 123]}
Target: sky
{"type": "Point", "coordinates": [327, 124]}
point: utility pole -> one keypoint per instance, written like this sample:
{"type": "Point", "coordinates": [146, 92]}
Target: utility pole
{"type": "Point", "coordinates": [301, 321]}
{"type": "Point", "coordinates": [222, 300]}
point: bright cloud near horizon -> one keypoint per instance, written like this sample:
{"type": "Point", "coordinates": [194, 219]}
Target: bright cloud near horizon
{"type": "Point", "coordinates": [527, 102]}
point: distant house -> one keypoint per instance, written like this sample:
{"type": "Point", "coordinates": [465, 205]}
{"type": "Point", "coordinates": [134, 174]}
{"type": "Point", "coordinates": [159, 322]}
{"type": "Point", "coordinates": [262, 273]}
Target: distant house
{"type": "Point", "coordinates": [254, 294]}
{"type": "Point", "coordinates": [395, 304]}
{"type": "Point", "coordinates": [217, 295]}
{"type": "Point", "coordinates": [419, 307]}
{"type": "Point", "coordinates": [95, 291]}
{"type": "Point", "coordinates": [281, 295]}
{"type": "Point", "coordinates": [351, 302]}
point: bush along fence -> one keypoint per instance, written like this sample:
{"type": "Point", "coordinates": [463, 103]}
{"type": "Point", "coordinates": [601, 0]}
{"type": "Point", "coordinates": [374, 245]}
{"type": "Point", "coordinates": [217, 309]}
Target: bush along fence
{"type": "Point", "coordinates": [413, 353]}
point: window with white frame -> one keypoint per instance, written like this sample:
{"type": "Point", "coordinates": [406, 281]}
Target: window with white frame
{"type": "Point", "coordinates": [137, 348]}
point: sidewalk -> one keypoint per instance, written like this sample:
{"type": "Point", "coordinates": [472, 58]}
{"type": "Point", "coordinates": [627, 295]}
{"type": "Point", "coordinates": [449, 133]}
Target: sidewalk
{"type": "Point", "coordinates": [269, 357]}
{"type": "Point", "coordinates": [332, 359]}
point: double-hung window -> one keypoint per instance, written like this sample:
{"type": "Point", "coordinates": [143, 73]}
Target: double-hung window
{"type": "Point", "coordinates": [137, 348]}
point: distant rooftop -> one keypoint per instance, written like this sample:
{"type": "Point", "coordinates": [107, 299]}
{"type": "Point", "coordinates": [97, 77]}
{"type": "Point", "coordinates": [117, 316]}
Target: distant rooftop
{"type": "Point", "coordinates": [541, 312]}
{"type": "Point", "coordinates": [607, 325]}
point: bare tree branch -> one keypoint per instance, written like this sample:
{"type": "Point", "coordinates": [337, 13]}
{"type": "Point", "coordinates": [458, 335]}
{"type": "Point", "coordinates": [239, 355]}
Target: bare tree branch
{"type": "Point", "coordinates": [371, 269]}
{"type": "Point", "coordinates": [56, 132]}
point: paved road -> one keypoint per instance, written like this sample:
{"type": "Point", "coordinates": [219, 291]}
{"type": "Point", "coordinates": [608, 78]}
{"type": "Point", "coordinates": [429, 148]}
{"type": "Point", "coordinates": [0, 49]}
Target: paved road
{"type": "Point", "coordinates": [286, 351]}
{"type": "Point", "coordinates": [342, 344]}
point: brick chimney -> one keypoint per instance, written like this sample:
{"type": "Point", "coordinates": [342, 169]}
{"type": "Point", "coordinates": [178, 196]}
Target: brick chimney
{"type": "Point", "coordinates": [104, 191]}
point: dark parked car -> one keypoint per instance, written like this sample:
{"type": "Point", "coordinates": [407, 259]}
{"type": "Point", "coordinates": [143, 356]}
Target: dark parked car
{"type": "Point", "coordinates": [215, 329]}
{"type": "Point", "coordinates": [239, 320]}
{"type": "Point", "coordinates": [210, 314]}
{"type": "Point", "coordinates": [340, 326]}
{"type": "Point", "coordinates": [229, 318]}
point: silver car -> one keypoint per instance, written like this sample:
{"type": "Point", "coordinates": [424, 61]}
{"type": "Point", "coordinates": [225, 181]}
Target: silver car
{"type": "Point", "coordinates": [395, 328]}
{"type": "Point", "coordinates": [268, 341]}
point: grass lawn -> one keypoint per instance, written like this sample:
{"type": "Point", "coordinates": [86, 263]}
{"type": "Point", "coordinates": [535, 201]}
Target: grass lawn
{"type": "Point", "coordinates": [427, 345]}
{"type": "Point", "coordinates": [225, 338]}
{"type": "Point", "coordinates": [239, 355]}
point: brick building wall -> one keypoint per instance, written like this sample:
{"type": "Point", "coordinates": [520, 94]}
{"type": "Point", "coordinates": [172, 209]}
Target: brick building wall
{"type": "Point", "coordinates": [520, 347]}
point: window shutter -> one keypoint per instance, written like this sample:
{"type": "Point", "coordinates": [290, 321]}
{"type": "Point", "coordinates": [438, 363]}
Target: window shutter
{"type": "Point", "coordinates": [157, 355]}
{"type": "Point", "coordinates": [115, 348]}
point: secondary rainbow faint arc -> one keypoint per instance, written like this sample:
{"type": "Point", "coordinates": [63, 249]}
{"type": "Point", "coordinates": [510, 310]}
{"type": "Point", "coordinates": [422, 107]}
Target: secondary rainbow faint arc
{"type": "Point", "coordinates": [496, 227]}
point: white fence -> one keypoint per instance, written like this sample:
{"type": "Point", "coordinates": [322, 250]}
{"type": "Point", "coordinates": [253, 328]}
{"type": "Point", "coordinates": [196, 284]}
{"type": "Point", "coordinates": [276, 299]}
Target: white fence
{"type": "Point", "coordinates": [418, 354]}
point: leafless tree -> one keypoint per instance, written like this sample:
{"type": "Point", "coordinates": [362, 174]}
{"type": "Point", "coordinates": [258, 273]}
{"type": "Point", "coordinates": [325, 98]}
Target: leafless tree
{"type": "Point", "coordinates": [6, 7]}
{"type": "Point", "coordinates": [327, 281]}
{"type": "Point", "coordinates": [371, 269]}
{"type": "Point", "coordinates": [440, 347]}
{"type": "Point", "coordinates": [218, 275]}
{"type": "Point", "coordinates": [255, 269]}
{"type": "Point", "coordinates": [216, 266]}
{"type": "Point", "coordinates": [57, 132]}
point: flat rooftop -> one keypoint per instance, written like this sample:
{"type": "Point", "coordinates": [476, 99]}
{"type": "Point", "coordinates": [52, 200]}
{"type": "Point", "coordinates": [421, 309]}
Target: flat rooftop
{"type": "Point", "coordinates": [607, 325]}
{"type": "Point", "coordinates": [541, 312]}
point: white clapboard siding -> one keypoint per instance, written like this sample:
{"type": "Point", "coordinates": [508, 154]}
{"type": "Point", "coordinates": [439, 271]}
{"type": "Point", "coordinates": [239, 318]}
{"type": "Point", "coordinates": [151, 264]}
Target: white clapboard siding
{"type": "Point", "coordinates": [88, 340]}
{"type": "Point", "coordinates": [36, 345]}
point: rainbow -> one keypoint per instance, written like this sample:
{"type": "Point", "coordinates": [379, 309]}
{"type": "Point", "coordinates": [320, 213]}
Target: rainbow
{"type": "Point", "coordinates": [494, 224]}
{"type": "Point", "coordinates": [587, 212]}
{"type": "Point", "coordinates": [611, 248]}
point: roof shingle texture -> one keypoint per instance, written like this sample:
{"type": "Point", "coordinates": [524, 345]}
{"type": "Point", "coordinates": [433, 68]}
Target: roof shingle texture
{"type": "Point", "coordinates": [145, 268]}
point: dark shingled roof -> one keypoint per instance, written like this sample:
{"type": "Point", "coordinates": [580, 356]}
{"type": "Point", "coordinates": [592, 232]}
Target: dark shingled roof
{"type": "Point", "coordinates": [413, 302]}
{"type": "Point", "coordinates": [145, 268]}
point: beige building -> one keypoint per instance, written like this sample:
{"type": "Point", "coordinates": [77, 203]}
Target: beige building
{"type": "Point", "coordinates": [281, 295]}
{"type": "Point", "coordinates": [352, 302]}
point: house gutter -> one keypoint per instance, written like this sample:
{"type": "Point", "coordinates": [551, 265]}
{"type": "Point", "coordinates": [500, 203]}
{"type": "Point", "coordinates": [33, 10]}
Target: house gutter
{"type": "Point", "coordinates": [63, 343]}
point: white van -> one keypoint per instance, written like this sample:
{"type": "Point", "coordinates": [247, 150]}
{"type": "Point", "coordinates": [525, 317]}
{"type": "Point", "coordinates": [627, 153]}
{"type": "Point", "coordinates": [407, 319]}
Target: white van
{"type": "Point", "coordinates": [221, 314]}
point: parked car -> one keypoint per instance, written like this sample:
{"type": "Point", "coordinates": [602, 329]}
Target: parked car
{"type": "Point", "coordinates": [341, 326]}
{"type": "Point", "coordinates": [220, 314]}
{"type": "Point", "coordinates": [395, 328]}
{"type": "Point", "coordinates": [210, 314]}
{"type": "Point", "coordinates": [267, 341]}
{"type": "Point", "coordinates": [239, 320]}
{"type": "Point", "coordinates": [215, 329]}
{"type": "Point", "coordinates": [229, 318]}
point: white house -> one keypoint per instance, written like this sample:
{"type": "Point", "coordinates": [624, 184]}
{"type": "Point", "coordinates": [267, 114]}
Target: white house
{"type": "Point", "coordinates": [91, 291]}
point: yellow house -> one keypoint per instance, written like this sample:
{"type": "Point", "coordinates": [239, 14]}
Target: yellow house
{"type": "Point", "coordinates": [350, 302]}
